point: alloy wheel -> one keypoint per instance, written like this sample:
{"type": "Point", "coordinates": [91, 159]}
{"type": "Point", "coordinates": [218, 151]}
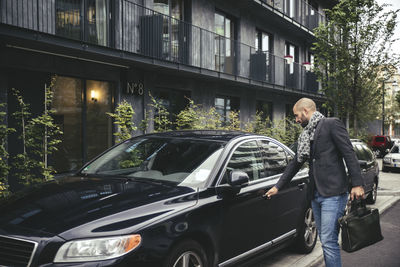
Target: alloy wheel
{"type": "Point", "coordinates": [188, 259]}
{"type": "Point", "coordinates": [310, 232]}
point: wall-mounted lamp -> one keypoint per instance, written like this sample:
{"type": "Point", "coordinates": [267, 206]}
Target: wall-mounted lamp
{"type": "Point", "coordinates": [93, 95]}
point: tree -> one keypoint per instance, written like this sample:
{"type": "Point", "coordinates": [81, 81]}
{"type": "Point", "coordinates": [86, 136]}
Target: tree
{"type": "Point", "coordinates": [39, 137]}
{"type": "Point", "coordinates": [350, 50]}
{"type": "Point", "coordinates": [4, 167]}
{"type": "Point", "coordinates": [123, 119]}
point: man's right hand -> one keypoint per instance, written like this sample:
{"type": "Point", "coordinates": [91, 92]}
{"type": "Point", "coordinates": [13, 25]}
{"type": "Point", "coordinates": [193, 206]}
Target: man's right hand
{"type": "Point", "coordinates": [271, 192]}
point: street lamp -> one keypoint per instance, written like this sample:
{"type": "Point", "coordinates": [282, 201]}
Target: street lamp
{"type": "Point", "coordinates": [383, 107]}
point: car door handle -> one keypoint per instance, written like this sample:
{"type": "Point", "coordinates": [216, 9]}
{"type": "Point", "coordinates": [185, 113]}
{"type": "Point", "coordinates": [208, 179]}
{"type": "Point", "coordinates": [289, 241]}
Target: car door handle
{"type": "Point", "coordinates": [301, 186]}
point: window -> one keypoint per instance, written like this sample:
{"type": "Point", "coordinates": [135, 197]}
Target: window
{"type": "Point", "coordinates": [173, 100]}
{"type": "Point", "coordinates": [87, 130]}
{"type": "Point", "coordinates": [225, 104]}
{"type": "Point", "coordinates": [274, 156]}
{"type": "Point", "coordinates": [291, 50]}
{"type": "Point", "coordinates": [265, 108]}
{"type": "Point", "coordinates": [224, 29]}
{"type": "Point", "coordinates": [247, 158]}
{"type": "Point", "coordinates": [173, 34]}
{"type": "Point", "coordinates": [263, 41]}
{"type": "Point", "coordinates": [290, 8]}
{"type": "Point", "coordinates": [96, 17]}
{"type": "Point", "coordinates": [360, 152]}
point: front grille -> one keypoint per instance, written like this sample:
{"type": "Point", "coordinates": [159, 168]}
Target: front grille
{"type": "Point", "coordinates": [16, 252]}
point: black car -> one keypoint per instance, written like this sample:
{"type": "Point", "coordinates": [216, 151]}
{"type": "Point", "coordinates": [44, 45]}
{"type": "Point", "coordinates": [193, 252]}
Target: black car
{"type": "Point", "coordinates": [191, 198]}
{"type": "Point", "coordinates": [369, 169]}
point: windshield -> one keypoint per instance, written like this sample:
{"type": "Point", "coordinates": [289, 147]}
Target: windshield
{"type": "Point", "coordinates": [182, 161]}
{"type": "Point", "coordinates": [395, 149]}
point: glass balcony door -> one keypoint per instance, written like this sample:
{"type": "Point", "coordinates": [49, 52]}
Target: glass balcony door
{"type": "Point", "coordinates": [86, 20]}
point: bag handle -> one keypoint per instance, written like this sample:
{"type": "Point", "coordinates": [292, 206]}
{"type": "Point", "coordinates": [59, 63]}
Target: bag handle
{"type": "Point", "coordinates": [358, 206]}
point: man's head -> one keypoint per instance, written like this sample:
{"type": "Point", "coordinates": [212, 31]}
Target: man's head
{"type": "Point", "coordinates": [303, 110]}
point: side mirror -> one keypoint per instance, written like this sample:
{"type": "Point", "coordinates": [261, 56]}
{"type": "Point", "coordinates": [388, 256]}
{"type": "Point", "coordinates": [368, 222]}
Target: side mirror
{"type": "Point", "coordinates": [363, 163]}
{"type": "Point", "coordinates": [387, 150]}
{"type": "Point", "coordinates": [238, 178]}
{"type": "Point", "coordinates": [235, 181]}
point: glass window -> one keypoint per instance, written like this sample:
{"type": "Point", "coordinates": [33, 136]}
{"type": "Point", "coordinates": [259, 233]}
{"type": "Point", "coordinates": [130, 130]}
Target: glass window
{"type": "Point", "coordinates": [274, 156]}
{"type": "Point", "coordinates": [395, 149]}
{"type": "Point", "coordinates": [360, 153]}
{"type": "Point", "coordinates": [97, 18]}
{"type": "Point", "coordinates": [225, 104]}
{"type": "Point", "coordinates": [247, 158]}
{"type": "Point", "coordinates": [69, 22]}
{"type": "Point", "coordinates": [85, 135]}
{"type": "Point", "coordinates": [224, 29]}
{"type": "Point", "coordinates": [180, 161]}
{"type": "Point", "coordinates": [266, 109]}
{"type": "Point", "coordinates": [68, 106]}
{"type": "Point", "coordinates": [98, 124]}
{"type": "Point", "coordinates": [68, 18]}
{"type": "Point", "coordinates": [173, 100]}
{"type": "Point", "coordinates": [369, 153]}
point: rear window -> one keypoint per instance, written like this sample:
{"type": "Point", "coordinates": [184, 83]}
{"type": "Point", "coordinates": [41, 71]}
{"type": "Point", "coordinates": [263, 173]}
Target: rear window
{"type": "Point", "coordinates": [380, 139]}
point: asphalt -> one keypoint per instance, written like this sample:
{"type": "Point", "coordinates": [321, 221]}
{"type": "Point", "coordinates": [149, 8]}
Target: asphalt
{"type": "Point", "coordinates": [384, 253]}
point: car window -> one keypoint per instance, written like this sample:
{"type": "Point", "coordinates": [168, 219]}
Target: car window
{"type": "Point", "coordinates": [395, 149]}
{"type": "Point", "coordinates": [379, 139]}
{"type": "Point", "coordinates": [368, 152]}
{"type": "Point", "coordinates": [246, 158]}
{"type": "Point", "coordinates": [360, 152]}
{"type": "Point", "coordinates": [275, 158]}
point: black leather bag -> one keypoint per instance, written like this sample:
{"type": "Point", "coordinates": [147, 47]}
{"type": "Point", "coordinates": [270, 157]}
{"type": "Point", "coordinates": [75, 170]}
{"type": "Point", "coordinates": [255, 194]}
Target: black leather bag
{"type": "Point", "coordinates": [360, 227]}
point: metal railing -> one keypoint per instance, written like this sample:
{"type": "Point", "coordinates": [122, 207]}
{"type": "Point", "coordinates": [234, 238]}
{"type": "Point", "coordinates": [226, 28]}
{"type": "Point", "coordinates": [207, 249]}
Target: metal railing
{"type": "Point", "coordinates": [143, 31]}
{"type": "Point", "coordinates": [299, 10]}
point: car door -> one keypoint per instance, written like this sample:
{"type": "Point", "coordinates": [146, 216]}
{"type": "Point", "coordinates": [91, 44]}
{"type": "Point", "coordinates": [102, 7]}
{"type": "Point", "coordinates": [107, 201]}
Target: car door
{"type": "Point", "coordinates": [288, 205]}
{"type": "Point", "coordinates": [245, 217]}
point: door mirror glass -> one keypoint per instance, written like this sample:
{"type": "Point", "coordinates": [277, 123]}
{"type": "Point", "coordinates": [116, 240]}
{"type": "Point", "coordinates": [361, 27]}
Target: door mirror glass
{"type": "Point", "coordinates": [238, 178]}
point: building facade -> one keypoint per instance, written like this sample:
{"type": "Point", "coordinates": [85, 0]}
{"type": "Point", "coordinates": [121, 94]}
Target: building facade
{"type": "Point", "coordinates": [248, 55]}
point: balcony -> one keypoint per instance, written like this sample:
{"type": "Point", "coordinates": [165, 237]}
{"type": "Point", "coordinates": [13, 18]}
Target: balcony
{"type": "Point", "coordinates": [298, 11]}
{"type": "Point", "coordinates": [137, 30]}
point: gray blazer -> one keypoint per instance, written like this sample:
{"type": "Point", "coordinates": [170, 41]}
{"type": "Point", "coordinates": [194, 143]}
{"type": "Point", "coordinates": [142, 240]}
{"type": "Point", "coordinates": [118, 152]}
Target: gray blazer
{"type": "Point", "coordinates": [330, 147]}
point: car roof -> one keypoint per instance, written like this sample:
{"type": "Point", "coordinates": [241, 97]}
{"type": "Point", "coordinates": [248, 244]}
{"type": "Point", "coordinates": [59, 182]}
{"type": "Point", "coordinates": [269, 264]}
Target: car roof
{"type": "Point", "coordinates": [215, 135]}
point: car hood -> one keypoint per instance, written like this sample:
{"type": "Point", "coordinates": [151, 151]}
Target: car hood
{"type": "Point", "coordinates": [88, 206]}
{"type": "Point", "coordinates": [393, 155]}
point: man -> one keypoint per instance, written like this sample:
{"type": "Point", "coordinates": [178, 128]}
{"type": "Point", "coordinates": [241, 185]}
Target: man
{"type": "Point", "coordinates": [324, 142]}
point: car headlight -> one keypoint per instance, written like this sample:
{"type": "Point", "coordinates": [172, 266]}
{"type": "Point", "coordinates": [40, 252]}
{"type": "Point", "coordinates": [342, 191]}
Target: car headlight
{"type": "Point", "coordinates": [97, 248]}
{"type": "Point", "coordinates": [387, 160]}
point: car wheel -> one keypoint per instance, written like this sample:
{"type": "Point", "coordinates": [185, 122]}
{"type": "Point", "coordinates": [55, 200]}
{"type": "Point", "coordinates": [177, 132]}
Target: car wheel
{"type": "Point", "coordinates": [384, 169]}
{"type": "Point", "coordinates": [187, 254]}
{"type": "Point", "coordinates": [307, 238]}
{"type": "Point", "coordinates": [371, 199]}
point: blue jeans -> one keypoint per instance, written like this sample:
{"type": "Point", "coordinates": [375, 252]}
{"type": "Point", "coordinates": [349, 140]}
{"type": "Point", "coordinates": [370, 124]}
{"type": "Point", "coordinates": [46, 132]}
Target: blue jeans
{"type": "Point", "coordinates": [327, 211]}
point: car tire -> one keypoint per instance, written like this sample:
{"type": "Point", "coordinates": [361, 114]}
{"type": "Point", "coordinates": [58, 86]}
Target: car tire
{"type": "Point", "coordinates": [187, 253]}
{"type": "Point", "coordinates": [307, 238]}
{"type": "Point", "coordinates": [371, 198]}
{"type": "Point", "coordinates": [384, 169]}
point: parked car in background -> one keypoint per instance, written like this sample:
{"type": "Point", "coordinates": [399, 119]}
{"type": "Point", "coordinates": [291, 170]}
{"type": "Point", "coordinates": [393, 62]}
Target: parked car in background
{"type": "Point", "coordinates": [392, 160]}
{"type": "Point", "coordinates": [369, 170]}
{"type": "Point", "coordinates": [191, 198]}
{"type": "Point", "coordinates": [380, 144]}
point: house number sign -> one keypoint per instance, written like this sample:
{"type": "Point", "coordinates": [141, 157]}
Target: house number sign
{"type": "Point", "coordinates": [134, 88]}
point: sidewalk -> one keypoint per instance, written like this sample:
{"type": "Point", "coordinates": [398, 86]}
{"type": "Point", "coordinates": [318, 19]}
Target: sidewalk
{"type": "Point", "coordinates": [315, 258]}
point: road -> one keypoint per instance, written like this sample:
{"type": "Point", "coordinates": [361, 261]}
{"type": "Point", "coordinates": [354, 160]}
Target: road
{"type": "Point", "coordinates": [388, 195]}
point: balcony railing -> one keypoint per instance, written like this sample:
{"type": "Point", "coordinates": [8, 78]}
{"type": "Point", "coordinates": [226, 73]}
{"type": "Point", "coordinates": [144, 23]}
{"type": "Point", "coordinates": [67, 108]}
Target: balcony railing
{"type": "Point", "coordinates": [143, 31]}
{"type": "Point", "coordinates": [299, 10]}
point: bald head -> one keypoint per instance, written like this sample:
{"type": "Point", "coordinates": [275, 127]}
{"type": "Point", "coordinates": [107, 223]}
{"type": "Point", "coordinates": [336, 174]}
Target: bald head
{"type": "Point", "coordinates": [305, 103]}
{"type": "Point", "coordinates": [303, 110]}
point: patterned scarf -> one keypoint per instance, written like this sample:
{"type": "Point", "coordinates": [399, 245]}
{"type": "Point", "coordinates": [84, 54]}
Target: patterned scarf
{"type": "Point", "coordinates": [304, 141]}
